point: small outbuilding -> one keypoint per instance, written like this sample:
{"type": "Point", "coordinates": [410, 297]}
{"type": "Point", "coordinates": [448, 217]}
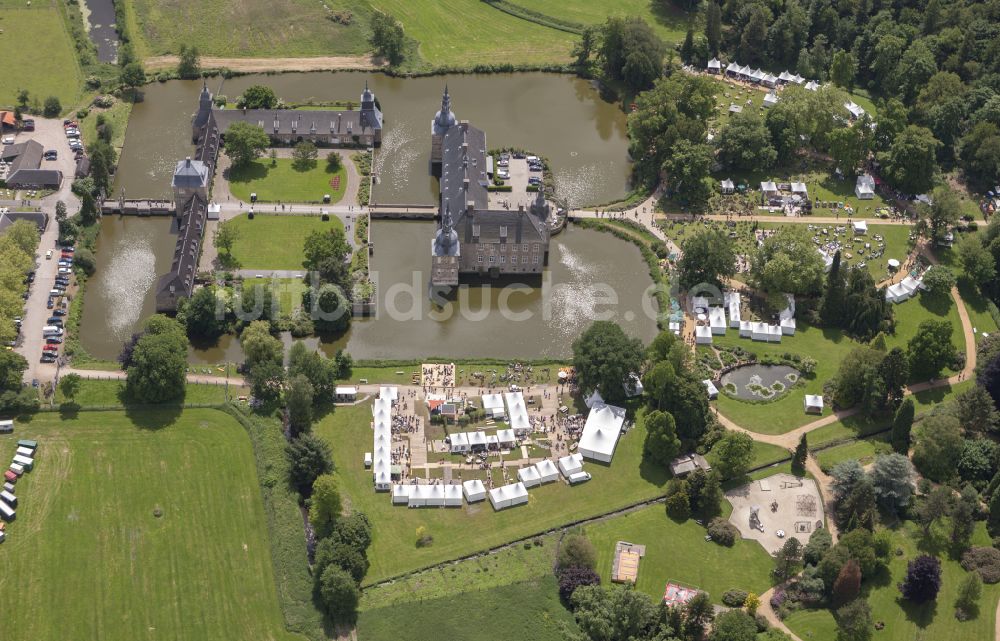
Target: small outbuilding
{"type": "Point", "coordinates": [345, 394]}
{"type": "Point", "coordinates": [684, 465]}
{"type": "Point", "coordinates": [713, 391]}
{"type": "Point", "coordinates": [813, 404]}
{"type": "Point", "coordinates": [474, 491]}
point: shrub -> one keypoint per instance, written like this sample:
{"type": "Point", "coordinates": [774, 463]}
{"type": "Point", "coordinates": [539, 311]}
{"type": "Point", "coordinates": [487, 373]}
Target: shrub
{"type": "Point", "coordinates": [923, 579]}
{"type": "Point", "coordinates": [570, 578]}
{"type": "Point", "coordinates": [424, 538]}
{"type": "Point", "coordinates": [734, 597]}
{"type": "Point", "coordinates": [722, 531]}
{"type": "Point", "coordinates": [576, 550]}
{"type": "Point", "coordinates": [985, 561]}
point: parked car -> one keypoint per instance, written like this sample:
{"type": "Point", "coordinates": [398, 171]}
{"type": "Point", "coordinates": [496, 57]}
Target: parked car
{"type": "Point", "coordinates": [47, 358]}
{"type": "Point", "coordinates": [8, 140]}
{"type": "Point", "coordinates": [54, 320]}
{"type": "Point", "coordinates": [50, 304]}
{"type": "Point", "coordinates": [28, 124]}
{"type": "Point", "coordinates": [59, 312]}
{"type": "Point", "coordinates": [53, 340]}
{"type": "Point", "coordinates": [51, 154]}
{"type": "Point", "coordinates": [48, 255]}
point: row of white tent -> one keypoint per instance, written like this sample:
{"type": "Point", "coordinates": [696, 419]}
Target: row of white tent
{"type": "Point", "coordinates": [905, 289]}
{"type": "Point", "coordinates": [382, 438]}
{"type": "Point", "coordinates": [462, 442]}
{"type": "Point", "coordinates": [516, 412]}
{"type": "Point", "coordinates": [759, 76]}
{"type": "Point", "coordinates": [473, 491]}
{"type": "Point", "coordinates": [757, 331]}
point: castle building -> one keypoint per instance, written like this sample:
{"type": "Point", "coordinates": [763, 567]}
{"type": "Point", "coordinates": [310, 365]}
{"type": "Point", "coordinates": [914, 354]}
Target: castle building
{"type": "Point", "coordinates": [475, 238]}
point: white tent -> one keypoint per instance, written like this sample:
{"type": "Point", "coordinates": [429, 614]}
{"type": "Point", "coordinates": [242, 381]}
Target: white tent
{"type": "Point", "coordinates": [797, 79]}
{"type": "Point", "coordinates": [703, 335]}
{"type": "Point", "coordinates": [492, 442]}
{"type": "Point", "coordinates": [812, 86]}
{"type": "Point", "coordinates": [733, 303]}
{"type": "Point", "coordinates": [435, 495]}
{"type": "Point", "coordinates": [813, 404]}
{"type": "Point", "coordinates": [506, 438]}
{"type": "Point", "coordinates": [601, 431]}
{"type": "Point", "coordinates": [477, 441]}
{"type": "Point", "coordinates": [800, 189]}
{"type": "Point", "coordinates": [517, 412]}
{"type": "Point", "coordinates": [493, 406]}
{"type": "Point", "coordinates": [345, 393]}
{"type": "Point", "coordinates": [784, 77]}
{"type": "Point", "coordinates": [769, 80]}
{"type": "Point", "coordinates": [714, 65]}
{"type": "Point", "coordinates": [774, 333]}
{"type": "Point", "coordinates": [735, 109]}
{"type": "Point", "coordinates": [401, 494]}
{"type": "Point", "coordinates": [788, 327]}
{"type": "Point", "coordinates": [727, 186]}
{"type": "Point", "coordinates": [787, 316]}
{"type": "Point", "coordinates": [459, 443]}
{"type": "Point", "coordinates": [571, 464]}
{"type": "Point", "coordinates": [508, 496]}
{"type": "Point", "coordinates": [733, 68]}
{"type": "Point", "coordinates": [717, 320]}
{"type": "Point", "coordinates": [529, 476]}
{"type": "Point", "coordinates": [547, 471]}
{"type": "Point", "coordinates": [770, 100]}
{"type": "Point", "coordinates": [713, 391]}
{"type": "Point", "coordinates": [419, 494]}
{"type": "Point", "coordinates": [474, 490]}
{"type": "Point", "coordinates": [675, 327]}
{"type": "Point", "coordinates": [864, 188]}
{"type": "Point", "coordinates": [594, 398]}
{"type": "Point", "coordinates": [452, 496]}
{"type": "Point", "coordinates": [757, 75]}
{"type": "Point", "coordinates": [768, 187]}
{"type": "Point", "coordinates": [860, 227]}
{"type": "Point", "coordinates": [383, 480]}
{"type": "Point", "coordinates": [854, 109]}
{"type": "Point", "coordinates": [699, 303]}
{"type": "Point", "coordinates": [390, 392]}
{"type": "Point", "coordinates": [758, 331]}
{"type": "Point", "coordinates": [746, 329]}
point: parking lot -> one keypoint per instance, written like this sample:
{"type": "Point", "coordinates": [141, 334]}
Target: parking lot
{"type": "Point", "coordinates": [520, 174]}
{"type": "Point", "coordinates": [50, 134]}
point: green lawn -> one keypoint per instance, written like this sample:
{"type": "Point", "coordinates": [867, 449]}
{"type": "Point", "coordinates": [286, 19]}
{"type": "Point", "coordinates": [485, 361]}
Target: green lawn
{"type": "Point", "coordinates": [274, 241]}
{"type": "Point", "coordinates": [117, 115]}
{"type": "Point", "coordinates": [278, 28]}
{"type": "Point", "coordinates": [669, 21]}
{"type": "Point", "coordinates": [87, 557]}
{"type": "Point", "coordinates": [529, 610]}
{"type": "Point", "coordinates": [288, 290]}
{"type": "Point", "coordinates": [924, 307]}
{"type": "Point", "coordinates": [863, 450]}
{"type": "Point", "coordinates": [976, 308]}
{"type": "Point", "coordinates": [904, 621]}
{"type": "Point", "coordinates": [284, 183]}
{"type": "Point", "coordinates": [94, 393]}
{"type": "Point", "coordinates": [37, 54]}
{"type": "Point", "coordinates": [477, 527]}
{"type": "Point", "coordinates": [679, 552]}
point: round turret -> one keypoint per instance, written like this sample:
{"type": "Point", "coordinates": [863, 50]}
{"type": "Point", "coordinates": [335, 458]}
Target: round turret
{"type": "Point", "coordinates": [444, 118]}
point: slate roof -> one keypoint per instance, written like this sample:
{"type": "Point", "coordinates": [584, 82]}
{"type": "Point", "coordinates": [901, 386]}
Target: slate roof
{"type": "Point", "coordinates": [34, 178]}
{"type": "Point", "coordinates": [190, 173]}
{"type": "Point", "coordinates": [23, 155]}
{"type": "Point", "coordinates": [292, 121]}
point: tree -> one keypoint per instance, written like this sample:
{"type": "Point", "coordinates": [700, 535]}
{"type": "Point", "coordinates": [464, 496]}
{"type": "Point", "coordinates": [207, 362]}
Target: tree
{"type": "Point", "coordinates": [890, 476]}
{"type": "Point", "coordinates": [325, 505]}
{"type": "Point", "coordinates": [847, 587]}
{"type": "Point", "coordinates": [631, 53]}
{"type": "Point", "coordinates": [923, 579]}
{"type": "Point", "coordinates": [843, 69]}
{"type": "Point", "coordinates": [788, 558]}
{"type": "Point", "coordinates": [576, 551]}
{"type": "Point", "coordinates": [69, 385]}
{"type": "Point", "coordinates": [931, 348]}
{"type": "Point", "coordinates": [257, 97]}
{"type": "Point", "coordinates": [226, 235]}
{"type": "Point", "coordinates": [970, 590]}
{"type": "Point", "coordinates": [321, 372]}
{"type": "Point", "coordinates": [858, 509]}
{"type": "Point", "coordinates": [52, 107]}
{"type": "Point", "coordinates": [846, 475]}
{"type": "Point", "coordinates": [189, 65]}
{"type": "Point", "coordinates": [978, 461]}
{"type": "Point", "coordinates": [202, 314]}
{"type": "Point", "coordinates": [334, 162]}
{"type": "Point", "coordinates": [332, 551]}
{"type": "Point", "coordinates": [963, 517]}
{"type": "Point", "coordinates": [263, 355]}
{"type": "Point", "coordinates": [713, 27]}
{"type": "Point", "coordinates": [102, 163]}
{"type": "Point", "coordinates": [734, 625]}
{"type": "Point", "coordinates": [745, 143]}
{"type": "Point", "coordinates": [854, 621]}
{"type": "Point", "coordinates": [733, 454]}
{"type": "Point", "coordinates": [699, 613]}
{"type": "Point", "coordinates": [902, 422]}
{"type": "Point", "coordinates": [574, 577]}
{"type": "Point", "coordinates": [800, 456]}
{"type": "Point", "coordinates": [820, 541]}
{"type": "Point", "coordinates": [788, 262]}
{"type": "Point", "coordinates": [933, 507]}
{"type": "Point", "coordinates": [304, 156]}
{"type": "Point", "coordinates": [329, 309]}
{"type": "Point", "coordinates": [979, 151]}
{"type": "Point", "coordinates": [387, 39]}
{"type": "Point", "coordinates": [945, 210]}
{"type": "Point", "coordinates": [308, 458]}
{"type": "Point", "coordinates": [603, 357]}
{"type": "Point", "coordinates": [158, 366]}
{"type": "Point", "coordinates": [338, 594]}
{"type": "Point", "coordinates": [678, 503]}
{"type": "Point", "coordinates": [687, 171]}
{"type": "Point", "coordinates": [24, 235]}
{"type": "Point", "coordinates": [325, 253]}
{"type": "Point", "coordinates": [613, 613]}
{"type": "Point", "coordinates": [707, 257]}
{"type": "Point", "coordinates": [910, 163]}
{"type": "Point", "coordinates": [939, 282]}
{"type": "Point", "coordinates": [850, 146]}
{"type": "Point", "coordinates": [354, 530]}
{"type": "Point", "coordinates": [299, 395]}
{"type": "Point", "coordinates": [244, 143]}
{"type": "Point", "coordinates": [662, 444]}
{"type": "Point", "coordinates": [584, 47]}
{"type": "Point", "coordinates": [687, 49]}
{"type": "Point", "coordinates": [85, 260]}
{"type": "Point", "coordinates": [938, 447]}
{"type": "Point", "coordinates": [706, 500]}
{"type": "Point", "coordinates": [976, 410]}
{"type": "Point", "coordinates": [133, 75]}
{"type": "Point", "coordinates": [977, 263]}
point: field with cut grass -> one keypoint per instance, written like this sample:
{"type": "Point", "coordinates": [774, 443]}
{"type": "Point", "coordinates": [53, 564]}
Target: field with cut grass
{"type": "Point", "coordinates": [37, 54]}
{"type": "Point", "coordinates": [284, 183]}
{"type": "Point", "coordinates": [457, 532]}
{"type": "Point", "coordinates": [273, 241]}
{"type": "Point", "coordinates": [678, 552]}
{"type": "Point", "coordinates": [669, 21]}
{"type": "Point", "coordinates": [139, 525]}
{"type": "Point", "coordinates": [905, 621]}
{"type": "Point", "coordinates": [117, 116]}
{"type": "Point", "coordinates": [97, 393]}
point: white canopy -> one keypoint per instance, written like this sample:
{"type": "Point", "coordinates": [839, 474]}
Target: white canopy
{"type": "Point", "coordinates": [703, 335]}
{"type": "Point", "coordinates": [345, 390]}
{"type": "Point", "coordinates": [770, 100]}
{"type": "Point", "coordinates": [506, 437]}
{"type": "Point", "coordinates": [492, 401]}
{"type": "Point", "coordinates": [864, 188]}
{"type": "Point", "coordinates": [517, 412]}
{"type": "Point", "coordinates": [812, 86]}
{"type": "Point", "coordinates": [714, 63]}
{"type": "Point", "coordinates": [459, 442]}
{"type": "Point", "coordinates": [601, 431]}
{"type": "Point", "coordinates": [713, 391]}
{"type": "Point", "coordinates": [571, 464]}
{"type": "Point", "coordinates": [474, 490]}
{"type": "Point", "coordinates": [768, 186]}
{"type": "Point", "coordinates": [390, 392]}
{"type": "Point", "coordinates": [508, 496]}
{"type": "Point", "coordinates": [854, 109]}
{"type": "Point", "coordinates": [529, 476]}
{"type": "Point", "coordinates": [860, 227]}
{"type": "Point", "coordinates": [813, 403]}
{"type": "Point", "coordinates": [547, 470]}
{"type": "Point", "coordinates": [717, 320]}
{"type": "Point", "coordinates": [593, 399]}
{"type": "Point", "coordinates": [401, 494]}
{"type": "Point", "coordinates": [452, 496]}
{"type": "Point", "coordinates": [476, 439]}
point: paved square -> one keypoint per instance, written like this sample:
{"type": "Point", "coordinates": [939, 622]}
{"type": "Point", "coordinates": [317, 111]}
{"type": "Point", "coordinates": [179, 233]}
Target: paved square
{"type": "Point", "coordinates": [784, 503]}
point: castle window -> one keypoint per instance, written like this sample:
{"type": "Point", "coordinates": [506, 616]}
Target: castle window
{"type": "Point", "coordinates": [524, 247]}
{"type": "Point", "coordinates": [480, 258]}
{"type": "Point", "coordinates": [503, 259]}
{"type": "Point", "coordinates": [535, 248]}
{"type": "Point", "coordinates": [493, 259]}
{"type": "Point", "coordinates": [534, 259]}
{"type": "Point", "coordinates": [503, 248]}
{"type": "Point", "coordinates": [513, 260]}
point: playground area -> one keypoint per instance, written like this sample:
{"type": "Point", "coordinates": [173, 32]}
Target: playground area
{"type": "Point", "coordinates": [772, 509]}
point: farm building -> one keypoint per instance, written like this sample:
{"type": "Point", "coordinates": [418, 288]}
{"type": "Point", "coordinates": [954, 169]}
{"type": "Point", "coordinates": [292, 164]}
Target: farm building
{"type": "Point", "coordinates": [474, 490]}
{"type": "Point", "coordinates": [601, 431]}
{"type": "Point", "coordinates": [571, 464]}
{"type": "Point", "coordinates": [508, 496]}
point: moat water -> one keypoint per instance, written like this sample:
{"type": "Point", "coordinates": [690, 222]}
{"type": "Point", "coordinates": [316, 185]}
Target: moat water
{"type": "Point", "coordinates": [560, 117]}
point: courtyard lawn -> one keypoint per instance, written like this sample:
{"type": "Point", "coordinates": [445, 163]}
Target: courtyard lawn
{"type": "Point", "coordinates": [668, 20]}
{"type": "Point", "coordinates": [766, 454]}
{"type": "Point", "coordinates": [284, 183]}
{"type": "Point", "coordinates": [288, 290]}
{"type": "Point", "coordinates": [905, 621]}
{"type": "Point", "coordinates": [275, 241]}
{"type": "Point", "coordinates": [278, 28]}
{"type": "Point", "coordinates": [474, 527]}
{"type": "Point", "coordinates": [679, 552]}
{"type": "Point", "coordinates": [37, 54]}
{"type": "Point", "coordinates": [529, 610]}
{"type": "Point", "coordinates": [88, 557]}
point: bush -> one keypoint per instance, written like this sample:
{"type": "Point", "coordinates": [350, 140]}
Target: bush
{"type": "Point", "coordinates": [985, 561]}
{"type": "Point", "coordinates": [570, 578]}
{"type": "Point", "coordinates": [52, 107]}
{"type": "Point", "coordinates": [734, 598]}
{"type": "Point", "coordinates": [723, 532]}
{"type": "Point", "coordinates": [576, 550]}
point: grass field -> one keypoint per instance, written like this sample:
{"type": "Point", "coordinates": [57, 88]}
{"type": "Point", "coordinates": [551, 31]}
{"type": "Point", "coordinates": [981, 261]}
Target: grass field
{"type": "Point", "coordinates": [288, 290]}
{"type": "Point", "coordinates": [529, 610]}
{"type": "Point", "coordinates": [37, 54]}
{"type": "Point", "coordinates": [678, 552]}
{"type": "Point", "coordinates": [863, 450]}
{"type": "Point", "coordinates": [477, 527]}
{"type": "Point", "coordinates": [904, 621]}
{"type": "Point", "coordinates": [117, 115]}
{"type": "Point", "coordinates": [279, 28]}
{"type": "Point", "coordinates": [88, 558]}
{"type": "Point", "coordinates": [95, 393]}
{"type": "Point", "coordinates": [669, 21]}
{"type": "Point", "coordinates": [275, 242]}
{"type": "Point", "coordinates": [284, 183]}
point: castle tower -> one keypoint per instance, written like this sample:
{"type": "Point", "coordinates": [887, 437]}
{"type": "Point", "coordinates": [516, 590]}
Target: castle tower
{"type": "Point", "coordinates": [371, 117]}
{"type": "Point", "coordinates": [539, 207]}
{"type": "Point", "coordinates": [444, 119]}
{"type": "Point", "coordinates": [445, 252]}
{"type": "Point", "coordinates": [204, 111]}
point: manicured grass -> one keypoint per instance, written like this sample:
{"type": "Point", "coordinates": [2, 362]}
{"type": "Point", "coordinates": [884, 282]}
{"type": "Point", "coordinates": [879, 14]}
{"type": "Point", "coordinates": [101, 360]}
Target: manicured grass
{"type": "Point", "coordinates": [470, 32]}
{"type": "Point", "coordinates": [679, 552]}
{"type": "Point", "coordinates": [924, 307]}
{"type": "Point", "coordinates": [280, 28]}
{"type": "Point", "coordinates": [37, 54]}
{"type": "Point", "coordinates": [669, 21]}
{"type": "Point", "coordinates": [275, 242]}
{"type": "Point", "coordinates": [905, 621]}
{"type": "Point", "coordinates": [529, 610]}
{"type": "Point", "coordinates": [95, 393]}
{"type": "Point", "coordinates": [765, 453]}
{"type": "Point", "coordinates": [508, 566]}
{"type": "Point", "coordinates": [863, 450]}
{"type": "Point", "coordinates": [87, 557]}
{"type": "Point", "coordinates": [976, 308]}
{"type": "Point", "coordinates": [283, 183]}
{"type": "Point", "coordinates": [474, 527]}
{"type": "Point", "coordinates": [288, 290]}
{"type": "Point", "coordinates": [117, 115]}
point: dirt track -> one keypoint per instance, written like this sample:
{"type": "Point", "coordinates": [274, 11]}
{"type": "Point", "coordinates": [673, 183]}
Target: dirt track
{"type": "Point", "coordinates": [324, 63]}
